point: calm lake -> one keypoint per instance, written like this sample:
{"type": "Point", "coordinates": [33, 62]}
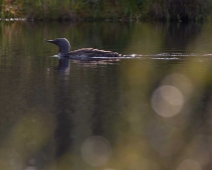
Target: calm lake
{"type": "Point", "coordinates": [149, 111]}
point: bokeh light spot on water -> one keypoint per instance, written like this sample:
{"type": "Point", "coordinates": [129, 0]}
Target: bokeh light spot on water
{"type": "Point", "coordinates": [200, 149]}
{"type": "Point", "coordinates": [136, 161]}
{"type": "Point", "coordinates": [180, 81]}
{"type": "Point", "coordinates": [167, 101]}
{"type": "Point", "coordinates": [96, 150]}
{"type": "Point", "coordinates": [189, 164]}
{"type": "Point", "coordinates": [165, 139]}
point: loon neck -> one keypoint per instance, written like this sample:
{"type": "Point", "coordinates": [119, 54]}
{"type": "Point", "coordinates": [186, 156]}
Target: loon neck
{"type": "Point", "coordinates": [63, 52]}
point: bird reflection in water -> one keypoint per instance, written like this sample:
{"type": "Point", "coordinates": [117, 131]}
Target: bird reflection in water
{"type": "Point", "coordinates": [64, 63]}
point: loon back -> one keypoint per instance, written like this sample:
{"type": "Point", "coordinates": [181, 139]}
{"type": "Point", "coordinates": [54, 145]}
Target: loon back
{"type": "Point", "coordinates": [91, 52]}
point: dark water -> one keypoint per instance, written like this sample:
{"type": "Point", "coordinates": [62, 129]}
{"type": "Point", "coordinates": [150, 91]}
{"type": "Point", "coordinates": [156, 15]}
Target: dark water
{"type": "Point", "coordinates": [149, 112]}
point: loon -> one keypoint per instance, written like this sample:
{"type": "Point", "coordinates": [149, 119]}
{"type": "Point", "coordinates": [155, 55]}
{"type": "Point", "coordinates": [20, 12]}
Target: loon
{"type": "Point", "coordinates": [83, 53]}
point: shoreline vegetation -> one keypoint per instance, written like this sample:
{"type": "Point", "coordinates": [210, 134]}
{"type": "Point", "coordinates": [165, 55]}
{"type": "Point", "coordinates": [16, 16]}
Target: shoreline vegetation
{"type": "Point", "coordinates": [110, 10]}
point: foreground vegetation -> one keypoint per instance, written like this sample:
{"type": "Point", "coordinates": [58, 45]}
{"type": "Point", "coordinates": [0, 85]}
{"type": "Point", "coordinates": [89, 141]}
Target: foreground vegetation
{"type": "Point", "coordinates": [194, 10]}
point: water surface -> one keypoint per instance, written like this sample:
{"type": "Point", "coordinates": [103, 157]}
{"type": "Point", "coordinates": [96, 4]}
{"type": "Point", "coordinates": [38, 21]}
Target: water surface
{"type": "Point", "coordinates": [149, 111]}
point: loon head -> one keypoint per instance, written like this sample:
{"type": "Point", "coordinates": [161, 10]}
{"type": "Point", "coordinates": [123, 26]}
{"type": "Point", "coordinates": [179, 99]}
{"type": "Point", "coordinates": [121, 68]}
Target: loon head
{"type": "Point", "coordinates": [63, 44]}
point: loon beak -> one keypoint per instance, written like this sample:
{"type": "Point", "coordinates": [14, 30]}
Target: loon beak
{"type": "Point", "coordinates": [51, 41]}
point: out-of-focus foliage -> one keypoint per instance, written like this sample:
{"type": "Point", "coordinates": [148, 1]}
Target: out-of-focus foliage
{"type": "Point", "coordinates": [107, 10]}
{"type": "Point", "coordinates": [179, 9]}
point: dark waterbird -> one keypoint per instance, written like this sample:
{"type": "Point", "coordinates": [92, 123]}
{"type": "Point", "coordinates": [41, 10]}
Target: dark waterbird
{"type": "Point", "coordinates": [83, 53]}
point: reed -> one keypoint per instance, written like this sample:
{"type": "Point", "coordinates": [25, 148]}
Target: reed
{"type": "Point", "coordinates": [185, 10]}
{"type": "Point", "coordinates": [98, 9]}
